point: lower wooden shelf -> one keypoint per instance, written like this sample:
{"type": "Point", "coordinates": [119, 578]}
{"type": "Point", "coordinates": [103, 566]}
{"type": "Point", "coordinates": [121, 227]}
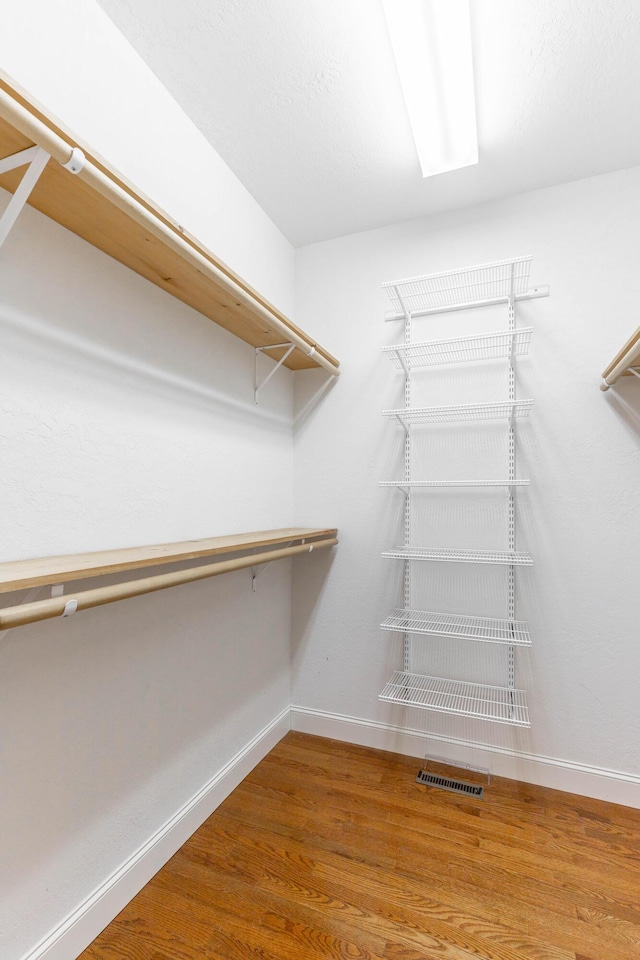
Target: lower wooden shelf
{"type": "Point", "coordinates": [288, 542]}
{"type": "Point", "coordinates": [23, 574]}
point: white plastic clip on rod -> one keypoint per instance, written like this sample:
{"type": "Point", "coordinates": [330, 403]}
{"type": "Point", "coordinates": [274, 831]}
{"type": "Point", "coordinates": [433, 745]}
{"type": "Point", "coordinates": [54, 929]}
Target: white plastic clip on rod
{"type": "Point", "coordinates": [76, 161]}
{"type": "Point", "coordinates": [70, 607]}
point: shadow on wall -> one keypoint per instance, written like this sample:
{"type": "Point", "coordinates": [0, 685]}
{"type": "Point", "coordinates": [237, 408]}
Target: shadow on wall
{"type": "Point", "coordinates": [114, 717]}
{"type": "Point", "coordinates": [310, 580]}
{"type": "Point", "coordinates": [89, 309]}
{"type": "Point", "coordinates": [624, 398]}
{"type": "Point", "coordinates": [310, 387]}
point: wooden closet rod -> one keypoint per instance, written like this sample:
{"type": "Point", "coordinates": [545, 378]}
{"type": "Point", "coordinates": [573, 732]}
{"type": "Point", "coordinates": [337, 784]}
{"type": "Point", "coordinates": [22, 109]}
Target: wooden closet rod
{"type": "Point", "coordinates": [37, 131]}
{"type": "Point", "coordinates": [59, 606]}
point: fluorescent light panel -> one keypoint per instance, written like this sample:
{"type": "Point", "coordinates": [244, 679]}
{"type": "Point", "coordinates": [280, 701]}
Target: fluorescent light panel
{"type": "Point", "coordinates": [431, 42]}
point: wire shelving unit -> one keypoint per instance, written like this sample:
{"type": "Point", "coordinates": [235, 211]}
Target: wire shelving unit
{"type": "Point", "coordinates": [432, 484]}
{"type": "Point", "coordinates": [504, 281]}
{"type": "Point", "coordinates": [458, 627]}
{"type": "Point", "coordinates": [477, 286]}
{"type": "Point", "coordinates": [459, 556]}
{"type": "Point", "coordinates": [462, 412]}
{"type": "Point", "coordinates": [484, 346]}
{"type": "Point", "coordinates": [501, 704]}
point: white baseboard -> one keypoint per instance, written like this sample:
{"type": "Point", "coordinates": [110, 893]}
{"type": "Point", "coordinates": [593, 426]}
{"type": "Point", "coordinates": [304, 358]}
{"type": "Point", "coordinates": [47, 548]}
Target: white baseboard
{"type": "Point", "coordinates": [91, 917]}
{"type": "Point", "coordinates": [602, 784]}
{"type": "Point", "coordinates": [77, 931]}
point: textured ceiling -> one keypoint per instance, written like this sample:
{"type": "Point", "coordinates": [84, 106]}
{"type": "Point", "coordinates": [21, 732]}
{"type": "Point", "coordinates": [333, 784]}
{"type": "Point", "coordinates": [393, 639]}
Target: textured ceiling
{"type": "Point", "coordinates": [301, 98]}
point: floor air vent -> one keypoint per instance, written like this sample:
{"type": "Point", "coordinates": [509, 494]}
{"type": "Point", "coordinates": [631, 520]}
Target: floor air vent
{"type": "Point", "coordinates": [447, 783]}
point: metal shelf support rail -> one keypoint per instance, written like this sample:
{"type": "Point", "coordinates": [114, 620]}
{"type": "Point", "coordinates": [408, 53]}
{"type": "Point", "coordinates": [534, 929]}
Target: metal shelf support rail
{"type": "Point", "coordinates": [511, 500]}
{"type": "Point", "coordinates": [406, 651]}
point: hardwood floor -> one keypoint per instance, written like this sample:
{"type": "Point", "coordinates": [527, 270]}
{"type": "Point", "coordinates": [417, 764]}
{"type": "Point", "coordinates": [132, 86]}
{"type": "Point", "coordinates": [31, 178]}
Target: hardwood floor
{"type": "Point", "coordinates": [328, 850]}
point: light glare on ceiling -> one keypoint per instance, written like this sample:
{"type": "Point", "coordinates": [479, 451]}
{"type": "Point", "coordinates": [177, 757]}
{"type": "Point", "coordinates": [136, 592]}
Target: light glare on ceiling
{"type": "Point", "coordinates": [431, 42]}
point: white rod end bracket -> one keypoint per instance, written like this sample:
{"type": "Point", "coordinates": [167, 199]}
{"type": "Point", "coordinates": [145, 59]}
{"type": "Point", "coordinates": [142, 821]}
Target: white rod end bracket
{"type": "Point", "coordinates": [70, 607]}
{"type": "Point", "coordinates": [76, 161]}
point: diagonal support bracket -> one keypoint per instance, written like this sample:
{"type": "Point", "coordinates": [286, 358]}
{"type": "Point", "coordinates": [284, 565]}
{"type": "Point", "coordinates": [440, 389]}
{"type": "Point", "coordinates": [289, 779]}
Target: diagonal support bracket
{"type": "Point", "coordinates": [287, 347]}
{"type": "Point", "coordinates": [37, 159]}
{"type": "Point", "coordinates": [256, 571]}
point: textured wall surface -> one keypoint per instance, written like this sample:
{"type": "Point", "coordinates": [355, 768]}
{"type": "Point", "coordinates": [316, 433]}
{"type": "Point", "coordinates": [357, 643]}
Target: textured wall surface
{"type": "Point", "coordinates": [581, 450]}
{"type": "Point", "coordinates": [81, 68]}
{"type": "Point", "coordinates": [126, 418]}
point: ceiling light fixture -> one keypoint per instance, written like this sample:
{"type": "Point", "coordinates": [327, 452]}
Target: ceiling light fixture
{"type": "Point", "coordinates": [431, 42]}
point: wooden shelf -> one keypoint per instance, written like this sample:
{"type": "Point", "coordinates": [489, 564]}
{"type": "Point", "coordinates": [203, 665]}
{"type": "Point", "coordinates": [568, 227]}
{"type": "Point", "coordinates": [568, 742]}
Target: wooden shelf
{"type": "Point", "coordinates": [24, 574]}
{"type": "Point", "coordinates": [100, 206]}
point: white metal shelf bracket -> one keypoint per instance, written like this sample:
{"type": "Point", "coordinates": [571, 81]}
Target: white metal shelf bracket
{"type": "Point", "coordinates": [256, 571]}
{"type": "Point", "coordinates": [288, 347]}
{"type": "Point", "coordinates": [36, 159]}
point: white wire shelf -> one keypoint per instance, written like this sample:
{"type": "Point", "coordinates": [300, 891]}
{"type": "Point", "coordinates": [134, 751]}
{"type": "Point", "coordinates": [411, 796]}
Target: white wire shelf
{"type": "Point", "coordinates": [485, 346]}
{"type": "Point", "coordinates": [500, 410]}
{"type": "Point", "coordinates": [499, 704]}
{"type": "Point", "coordinates": [511, 558]}
{"type": "Point", "coordinates": [420, 484]}
{"type": "Point", "coordinates": [487, 629]}
{"type": "Point", "coordinates": [456, 289]}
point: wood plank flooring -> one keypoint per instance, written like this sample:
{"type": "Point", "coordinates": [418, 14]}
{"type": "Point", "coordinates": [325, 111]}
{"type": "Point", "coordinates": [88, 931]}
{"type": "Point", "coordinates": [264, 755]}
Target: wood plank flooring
{"type": "Point", "coordinates": [329, 850]}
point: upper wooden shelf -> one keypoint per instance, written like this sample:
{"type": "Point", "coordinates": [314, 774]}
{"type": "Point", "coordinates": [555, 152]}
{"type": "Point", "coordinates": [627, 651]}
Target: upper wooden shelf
{"type": "Point", "coordinates": [99, 205]}
{"type": "Point", "coordinates": [23, 574]}
{"type": "Point", "coordinates": [624, 362]}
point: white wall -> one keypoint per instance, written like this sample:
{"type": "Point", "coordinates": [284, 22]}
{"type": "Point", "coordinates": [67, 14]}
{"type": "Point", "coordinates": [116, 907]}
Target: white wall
{"type": "Point", "coordinates": [68, 55]}
{"type": "Point", "coordinates": [127, 418]}
{"type": "Point", "coordinates": [579, 518]}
